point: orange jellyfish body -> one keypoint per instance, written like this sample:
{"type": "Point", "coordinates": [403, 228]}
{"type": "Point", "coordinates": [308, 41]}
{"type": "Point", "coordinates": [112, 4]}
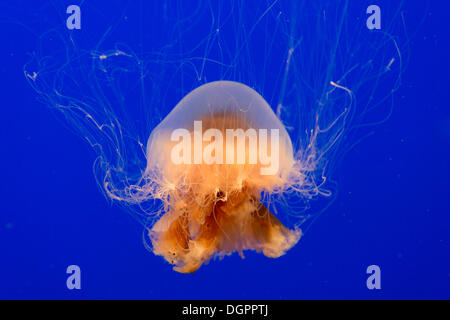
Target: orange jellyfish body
{"type": "Point", "coordinates": [212, 182]}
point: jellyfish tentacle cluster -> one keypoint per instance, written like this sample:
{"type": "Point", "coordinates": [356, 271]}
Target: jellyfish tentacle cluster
{"type": "Point", "coordinates": [188, 236]}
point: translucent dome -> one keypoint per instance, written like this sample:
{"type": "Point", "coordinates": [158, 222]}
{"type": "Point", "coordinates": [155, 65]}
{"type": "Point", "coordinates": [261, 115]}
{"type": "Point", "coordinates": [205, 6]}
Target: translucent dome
{"type": "Point", "coordinates": [222, 105]}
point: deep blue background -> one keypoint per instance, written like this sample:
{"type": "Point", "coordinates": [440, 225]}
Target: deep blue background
{"type": "Point", "coordinates": [392, 210]}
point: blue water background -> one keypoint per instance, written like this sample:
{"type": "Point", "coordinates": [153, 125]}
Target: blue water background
{"type": "Point", "coordinates": [393, 207]}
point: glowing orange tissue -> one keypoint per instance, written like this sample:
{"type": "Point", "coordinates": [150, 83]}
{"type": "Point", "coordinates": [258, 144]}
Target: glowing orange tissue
{"type": "Point", "coordinates": [213, 161]}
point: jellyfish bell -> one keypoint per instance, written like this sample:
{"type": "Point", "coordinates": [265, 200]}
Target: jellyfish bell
{"type": "Point", "coordinates": [213, 158]}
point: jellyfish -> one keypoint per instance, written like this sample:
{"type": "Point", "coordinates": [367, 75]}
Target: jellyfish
{"type": "Point", "coordinates": [214, 205]}
{"type": "Point", "coordinates": [268, 96]}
